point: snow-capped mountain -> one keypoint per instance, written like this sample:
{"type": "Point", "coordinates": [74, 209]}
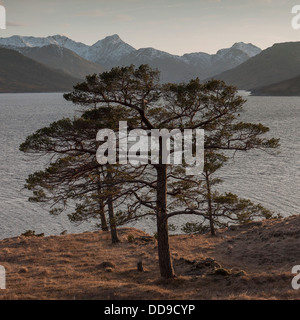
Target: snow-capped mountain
{"type": "Point", "coordinates": [61, 41]}
{"type": "Point", "coordinates": [113, 51]}
{"type": "Point", "coordinates": [105, 51]}
{"type": "Point", "coordinates": [109, 51]}
{"type": "Point", "coordinates": [247, 48]}
{"type": "Point", "coordinates": [225, 59]}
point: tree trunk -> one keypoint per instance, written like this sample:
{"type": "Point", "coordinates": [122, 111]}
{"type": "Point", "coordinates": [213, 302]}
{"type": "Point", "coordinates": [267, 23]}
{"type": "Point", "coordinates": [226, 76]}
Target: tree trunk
{"type": "Point", "coordinates": [165, 262]}
{"type": "Point", "coordinates": [112, 220]}
{"type": "Point", "coordinates": [210, 210]}
{"type": "Point", "coordinates": [104, 225]}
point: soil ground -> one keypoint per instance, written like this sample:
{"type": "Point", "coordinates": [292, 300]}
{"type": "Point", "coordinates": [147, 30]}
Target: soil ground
{"type": "Point", "coordinates": [254, 261]}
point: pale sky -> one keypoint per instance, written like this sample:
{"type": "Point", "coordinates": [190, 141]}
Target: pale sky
{"type": "Point", "coordinates": [175, 26]}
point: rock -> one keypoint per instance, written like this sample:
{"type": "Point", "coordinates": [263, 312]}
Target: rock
{"type": "Point", "coordinates": [40, 235]}
{"type": "Point", "coordinates": [31, 233]}
{"type": "Point", "coordinates": [140, 267]}
{"type": "Point", "coordinates": [147, 239]}
{"type": "Point", "coordinates": [130, 238]}
{"type": "Point", "coordinates": [109, 270]}
{"type": "Point", "coordinates": [250, 225]}
{"type": "Point", "coordinates": [107, 264]}
{"type": "Point", "coordinates": [144, 239]}
{"type": "Point", "coordinates": [240, 273]}
{"type": "Point", "coordinates": [277, 234]}
{"type": "Point", "coordinates": [222, 272]}
{"type": "Point", "coordinates": [23, 270]}
{"type": "Point", "coordinates": [185, 261]}
{"type": "Point", "coordinates": [199, 268]}
{"type": "Point", "coordinates": [208, 263]}
{"type": "Point", "coordinates": [28, 233]}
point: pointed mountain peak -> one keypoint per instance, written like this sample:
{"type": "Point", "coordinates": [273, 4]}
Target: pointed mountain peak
{"type": "Point", "coordinates": [111, 48]}
{"type": "Point", "coordinates": [58, 36]}
{"type": "Point", "coordinates": [243, 45]}
{"type": "Point", "coordinates": [248, 48]}
{"type": "Point", "coordinates": [240, 44]}
{"type": "Point", "coordinates": [114, 39]}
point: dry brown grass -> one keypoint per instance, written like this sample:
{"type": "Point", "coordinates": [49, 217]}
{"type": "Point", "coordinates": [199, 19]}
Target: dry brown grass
{"type": "Point", "coordinates": [257, 257]}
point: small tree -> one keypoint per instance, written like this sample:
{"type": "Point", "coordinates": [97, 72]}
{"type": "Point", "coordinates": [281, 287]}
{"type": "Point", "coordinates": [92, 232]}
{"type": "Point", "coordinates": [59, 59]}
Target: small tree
{"type": "Point", "coordinates": [74, 175]}
{"type": "Point", "coordinates": [219, 210]}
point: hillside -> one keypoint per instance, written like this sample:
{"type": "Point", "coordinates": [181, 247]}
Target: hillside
{"type": "Point", "coordinates": [278, 63]}
{"type": "Point", "coordinates": [62, 59]}
{"type": "Point", "coordinates": [289, 87]}
{"type": "Point", "coordinates": [207, 65]}
{"type": "Point", "coordinates": [21, 74]}
{"type": "Point", "coordinates": [245, 262]}
{"type": "Point", "coordinates": [172, 68]}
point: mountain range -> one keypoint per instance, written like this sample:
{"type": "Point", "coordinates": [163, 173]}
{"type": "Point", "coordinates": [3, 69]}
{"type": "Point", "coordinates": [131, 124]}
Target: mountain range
{"type": "Point", "coordinates": [273, 71]}
{"type": "Point", "coordinates": [113, 51]}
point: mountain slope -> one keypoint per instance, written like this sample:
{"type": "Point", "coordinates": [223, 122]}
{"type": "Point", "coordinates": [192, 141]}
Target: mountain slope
{"type": "Point", "coordinates": [289, 87]}
{"type": "Point", "coordinates": [61, 59]}
{"type": "Point", "coordinates": [172, 68]}
{"type": "Point", "coordinates": [278, 63]}
{"type": "Point", "coordinates": [225, 59]}
{"type": "Point", "coordinates": [113, 51]}
{"type": "Point", "coordinates": [21, 74]}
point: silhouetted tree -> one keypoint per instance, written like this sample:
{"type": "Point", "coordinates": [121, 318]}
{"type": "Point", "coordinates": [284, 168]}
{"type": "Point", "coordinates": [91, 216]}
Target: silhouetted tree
{"type": "Point", "coordinates": [74, 175]}
{"type": "Point", "coordinates": [216, 209]}
{"type": "Point", "coordinates": [211, 106]}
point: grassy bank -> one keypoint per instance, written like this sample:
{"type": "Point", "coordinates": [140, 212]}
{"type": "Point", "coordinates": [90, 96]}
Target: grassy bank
{"type": "Point", "coordinates": [247, 262]}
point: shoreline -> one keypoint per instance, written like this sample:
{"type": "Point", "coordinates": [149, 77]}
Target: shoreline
{"type": "Point", "coordinates": [252, 261]}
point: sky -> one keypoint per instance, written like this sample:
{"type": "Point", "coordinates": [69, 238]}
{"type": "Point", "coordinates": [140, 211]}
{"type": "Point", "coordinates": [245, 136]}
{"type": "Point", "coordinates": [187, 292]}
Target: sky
{"type": "Point", "coordinates": [175, 26]}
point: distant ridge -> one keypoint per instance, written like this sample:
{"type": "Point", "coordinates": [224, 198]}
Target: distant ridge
{"type": "Point", "coordinates": [113, 51]}
{"type": "Point", "coordinates": [289, 87]}
{"type": "Point", "coordinates": [62, 59]}
{"type": "Point", "coordinates": [21, 74]}
{"type": "Point", "coordinates": [278, 63]}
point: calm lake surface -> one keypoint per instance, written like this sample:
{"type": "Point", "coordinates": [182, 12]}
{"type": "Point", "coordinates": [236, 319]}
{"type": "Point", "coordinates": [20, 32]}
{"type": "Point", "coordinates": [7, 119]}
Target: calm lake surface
{"type": "Point", "coordinates": [272, 181]}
